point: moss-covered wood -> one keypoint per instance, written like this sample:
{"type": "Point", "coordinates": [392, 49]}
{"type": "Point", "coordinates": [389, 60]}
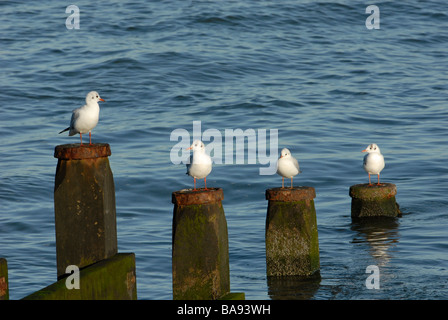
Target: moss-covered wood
{"type": "Point", "coordinates": [84, 203]}
{"type": "Point", "coordinates": [374, 201]}
{"type": "Point", "coordinates": [110, 279]}
{"type": "Point", "coordinates": [292, 246]}
{"type": "Point", "coordinates": [234, 296]}
{"type": "Point", "coordinates": [4, 289]}
{"type": "Point", "coordinates": [200, 252]}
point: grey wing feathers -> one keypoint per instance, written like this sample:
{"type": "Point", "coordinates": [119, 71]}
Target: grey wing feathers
{"type": "Point", "coordinates": [189, 164]}
{"type": "Point", "coordinates": [75, 115]}
{"type": "Point", "coordinates": [296, 164]}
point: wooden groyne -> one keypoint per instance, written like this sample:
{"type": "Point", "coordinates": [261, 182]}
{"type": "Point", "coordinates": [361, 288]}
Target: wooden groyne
{"type": "Point", "coordinates": [86, 231]}
{"type": "Point", "coordinates": [200, 246]}
{"type": "Point", "coordinates": [89, 265]}
{"type": "Point", "coordinates": [370, 201]}
{"type": "Point", "coordinates": [292, 245]}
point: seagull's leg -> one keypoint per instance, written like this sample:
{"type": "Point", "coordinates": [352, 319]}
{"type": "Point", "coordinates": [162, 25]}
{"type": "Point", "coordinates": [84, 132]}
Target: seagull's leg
{"type": "Point", "coordinates": [80, 134]}
{"type": "Point", "coordinates": [90, 138]}
{"type": "Point", "coordinates": [291, 182]}
{"type": "Point", "coordinates": [369, 180]}
{"type": "Point", "coordinates": [283, 181]}
{"type": "Point", "coordinates": [378, 179]}
{"type": "Point", "coordinates": [205, 182]}
{"type": "Point", "coordinates": [194, 179]}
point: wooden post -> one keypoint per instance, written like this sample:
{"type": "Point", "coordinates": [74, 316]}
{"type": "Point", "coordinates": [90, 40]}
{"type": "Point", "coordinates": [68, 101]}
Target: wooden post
{"type": "Point", "coordinates": [110, 279]}
{"type": "Point", "coordinates": [84, 203]}
{"type": "Point", "coordinates": [200, 249]}
{"type": "Point", "coordinates": [292, 246]}
{"type": "Point", "coordinates": [4, 289]}
{"type": "Point", "coordinates": [374, 200]}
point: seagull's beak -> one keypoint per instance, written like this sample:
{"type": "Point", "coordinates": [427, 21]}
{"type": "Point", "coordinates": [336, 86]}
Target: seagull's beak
{"type": "Point", "coordinates": [102, 100]}
{"type": "Point", "coordinates": [365, 150]}
{"type": "Point", "coordinates": [189, 148]}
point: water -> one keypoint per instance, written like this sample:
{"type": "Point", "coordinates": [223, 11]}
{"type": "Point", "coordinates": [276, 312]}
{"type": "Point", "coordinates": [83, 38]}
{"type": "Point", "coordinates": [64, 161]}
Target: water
{"type": "Point", "coordinates": [310, 69]}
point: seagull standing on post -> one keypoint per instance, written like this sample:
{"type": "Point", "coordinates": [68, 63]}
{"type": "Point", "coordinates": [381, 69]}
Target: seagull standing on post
{"type": "Point", "coordinates": [373, 161]}
{"type": "Point", "coordinates": [85, 118]}
{"type": "Point", "coordinates": [200, 163]}
{"type": "Point", "coordinates": [287, 166]}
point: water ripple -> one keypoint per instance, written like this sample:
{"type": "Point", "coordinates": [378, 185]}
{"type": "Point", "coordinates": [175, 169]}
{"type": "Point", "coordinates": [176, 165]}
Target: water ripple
{"type": "Point", "coordinates": [309, 69]}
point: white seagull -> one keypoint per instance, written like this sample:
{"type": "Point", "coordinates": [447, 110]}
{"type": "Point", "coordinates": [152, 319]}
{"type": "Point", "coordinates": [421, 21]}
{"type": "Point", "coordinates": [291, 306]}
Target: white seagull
{"type": "Point", "coordinates": [200, 163]}
{"type": "Point", "coordinates": [85, 118]}
{"type": "Point", "coordinates": [287, 166]}
{"type": "Point", "coordinates": [373, 161]}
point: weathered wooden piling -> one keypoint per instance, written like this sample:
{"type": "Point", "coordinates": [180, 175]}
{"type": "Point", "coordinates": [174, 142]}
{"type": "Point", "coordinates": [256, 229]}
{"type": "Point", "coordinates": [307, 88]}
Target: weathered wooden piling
{"type": "Point", "coordinates": [292, 246]}
{"type": "Point", "coordinates": [200, 249]}
{"type": "Point", "coordinates": [374, 200]}
{"type": "Point", "coordinates": [4, 289]}
{"type": "Point", "coordinates": [110, 279]}
{"type": "Point", "coordinates": [84, 203]}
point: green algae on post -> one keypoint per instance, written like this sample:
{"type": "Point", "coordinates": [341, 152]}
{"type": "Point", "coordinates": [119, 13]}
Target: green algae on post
{"type": "Point", "coordinates": [4, 289]}
{"type": "Point", "coordinates": [292, 246]}
{"type": "Point", "coordinates": [84, 204]}
{"type": "Point", "coordinates": [109, 279]}
{"type": "Point", "coordinates": [374, 201]}
{"type": "Point", "coordinates": [200, 248]}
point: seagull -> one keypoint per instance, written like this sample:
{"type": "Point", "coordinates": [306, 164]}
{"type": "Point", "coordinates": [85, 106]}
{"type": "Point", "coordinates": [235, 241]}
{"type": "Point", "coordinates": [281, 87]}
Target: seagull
{"type": "Point", "coordinates": [200, 163]}
{"type": "Point", "coordinates": [85, 118]}
{"type": "Point", "coordinates": [287, 166]}
{"type": "Point", "coordinates": [373, 161]}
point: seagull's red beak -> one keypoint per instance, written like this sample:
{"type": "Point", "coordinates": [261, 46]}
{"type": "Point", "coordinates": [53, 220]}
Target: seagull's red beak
{"type": "Point", "coordinates": [189, 148]}
{"type": "Point", "coordinates": [365, 150]}
{"type": "Point", "coordinates": [102, 100]}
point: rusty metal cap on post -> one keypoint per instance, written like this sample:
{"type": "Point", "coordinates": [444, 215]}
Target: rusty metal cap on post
{"type": "Point", "coordinates": [374, 191]}
{"type": "Point", "coordinates": [76, 151]}
{"type": "Point", "coordinates": [187, 197]}
{"type": "Point", "coordinates": [289, 195]}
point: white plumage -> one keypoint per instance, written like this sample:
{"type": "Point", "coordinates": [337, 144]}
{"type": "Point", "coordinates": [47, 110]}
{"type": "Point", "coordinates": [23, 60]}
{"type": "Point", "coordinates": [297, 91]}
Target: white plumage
{"type": "Point", "coordinates": [200, 164]}
{"type": "Point", "coordinates": [287, 166]}
{"type": "Point", "coordinates": [373, 162]}
{"type": "Point", "coordinates": [85, 118]}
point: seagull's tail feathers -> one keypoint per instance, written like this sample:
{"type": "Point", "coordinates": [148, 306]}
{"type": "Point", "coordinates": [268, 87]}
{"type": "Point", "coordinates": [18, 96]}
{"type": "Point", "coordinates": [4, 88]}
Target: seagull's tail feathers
{"type": "Point", "coordinates": [65, 130]}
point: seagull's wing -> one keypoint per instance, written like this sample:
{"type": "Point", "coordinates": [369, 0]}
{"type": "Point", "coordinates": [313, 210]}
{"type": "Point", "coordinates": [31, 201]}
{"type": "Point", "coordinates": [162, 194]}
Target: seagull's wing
{"type": "Point", "coordinates": [189, 164]}
{"type": "Point", "coordinates": [296, 164]}
{"type": "Point", "coordinates": [75, 116]}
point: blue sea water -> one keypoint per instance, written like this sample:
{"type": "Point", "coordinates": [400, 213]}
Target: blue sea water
{"type": "Point", "coordinates": [310, 69]}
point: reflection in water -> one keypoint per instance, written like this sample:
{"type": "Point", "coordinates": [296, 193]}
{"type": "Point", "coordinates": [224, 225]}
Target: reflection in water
{"type": "Point", "coordinates": [380, 234]}
{"type": "Point", "coordinates": [293, 287]}
{"type": "Point", "coordinates": [378, 237]}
